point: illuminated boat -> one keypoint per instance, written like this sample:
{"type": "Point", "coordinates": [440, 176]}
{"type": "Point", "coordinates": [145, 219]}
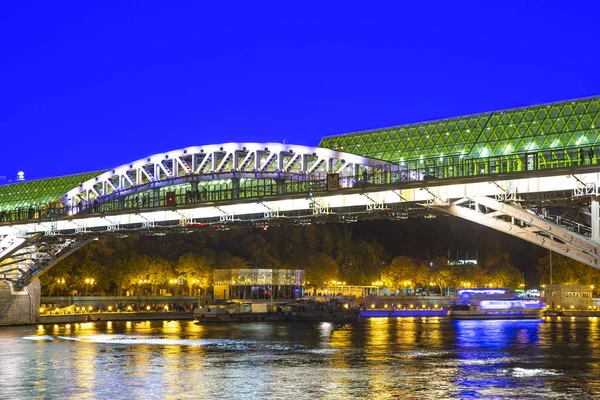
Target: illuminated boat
{"type": "Point", "coordinates": [494, 303]}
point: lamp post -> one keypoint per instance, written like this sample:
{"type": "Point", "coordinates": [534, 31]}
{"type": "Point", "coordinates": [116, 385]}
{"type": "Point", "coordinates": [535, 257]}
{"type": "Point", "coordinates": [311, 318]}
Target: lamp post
{"type": "Point", "coordinates": [140, 283]}
{"type": "Point", "coordinates": [59, 283]}
{"type": "Point", "coordinates": [89, 282]}
{"type": "Point", "coordinates": [195, 283]}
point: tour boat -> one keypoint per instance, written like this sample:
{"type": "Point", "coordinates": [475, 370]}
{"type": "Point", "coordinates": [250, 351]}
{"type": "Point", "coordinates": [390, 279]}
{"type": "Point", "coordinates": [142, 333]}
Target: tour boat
{"type": "Point", "coordinates": [494, 303]}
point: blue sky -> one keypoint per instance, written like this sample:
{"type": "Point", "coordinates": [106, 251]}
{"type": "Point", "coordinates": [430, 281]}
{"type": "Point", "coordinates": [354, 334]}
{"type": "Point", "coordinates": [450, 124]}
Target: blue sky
{"type": "Point", "coordinates": [92, 86]}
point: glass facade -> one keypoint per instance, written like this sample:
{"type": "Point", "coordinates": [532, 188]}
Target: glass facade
{"type": "Point", "coordinates": [566, 124]}
{"type": "Point", "coordinates": [38, 193]}
{"type": "Point", "coordinates": [293, 277]}
{"type": "Point", "coordinates": [264, 284]}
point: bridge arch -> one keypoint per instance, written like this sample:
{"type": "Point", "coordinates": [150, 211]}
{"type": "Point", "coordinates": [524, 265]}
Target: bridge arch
{"type": "Point", "coordinates": [217, 162]}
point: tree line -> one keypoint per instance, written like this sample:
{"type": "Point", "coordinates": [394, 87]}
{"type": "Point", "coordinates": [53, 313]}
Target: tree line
{"type": "Point", "coordinates": [415, 253]}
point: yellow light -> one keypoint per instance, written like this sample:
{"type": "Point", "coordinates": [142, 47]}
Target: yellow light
{"type": "Point", "coordinates": [572, 306]}
{"type": "Point", "coordinates": [435, 306]}
{"type": "Point", "coordinates": [166, 308]}
{"type": "Point", "coordinates": [56, 309]}
{"type": "Point", "coordinates": [128, 308]}
{"type": "Point", "coordinates": [109, 308]}
{"type": "Point", "coordinates": [346, 305]}
{"type": "Point", "coordinates": [385, 306]}
{"type": "Point", "coordinates": [42, 310]}
{"type": "Point", "coordinates": [148, 308]}
{"type": "Point", "coordinates": [90, 308]}
{"type": "Point", "coordinates": [373, 305]}
{"type": "Point", "coordinates": [411, 306]}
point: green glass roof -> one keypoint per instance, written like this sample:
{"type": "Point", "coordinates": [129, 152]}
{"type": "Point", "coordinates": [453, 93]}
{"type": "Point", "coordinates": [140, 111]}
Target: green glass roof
{"type": "Point", "coordinates": [40, 192]}
{"type": "Point", "coordinates": [572, 123]}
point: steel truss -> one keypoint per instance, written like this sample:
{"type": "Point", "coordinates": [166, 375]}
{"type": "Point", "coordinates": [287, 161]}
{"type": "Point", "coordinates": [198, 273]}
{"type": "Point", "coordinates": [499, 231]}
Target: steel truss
{"type": "Point", "coordinates": [23, 259]}
{"type": "Point", "coordinates": [526, 225]}
{"type": "Point", "coordinates": [220, 161]}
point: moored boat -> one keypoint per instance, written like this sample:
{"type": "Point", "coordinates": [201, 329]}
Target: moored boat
{"type": "Point", "coordinates": [300, 311]}
{"type": "Point", "coordinates": [494, 303]}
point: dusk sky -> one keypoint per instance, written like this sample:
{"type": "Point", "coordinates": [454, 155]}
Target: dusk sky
{"type": "Point", "coordinates": [87, 86]}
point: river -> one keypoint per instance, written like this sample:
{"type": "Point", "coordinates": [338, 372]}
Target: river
{"type": "Point", "coordinates": [379, 358]}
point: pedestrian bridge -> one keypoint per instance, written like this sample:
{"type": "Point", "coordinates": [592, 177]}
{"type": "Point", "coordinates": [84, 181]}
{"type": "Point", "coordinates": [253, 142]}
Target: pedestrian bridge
{"type": "Point", "coordinates": [228, 186]}
{"type": "Point", "coordinates": [530, 172]}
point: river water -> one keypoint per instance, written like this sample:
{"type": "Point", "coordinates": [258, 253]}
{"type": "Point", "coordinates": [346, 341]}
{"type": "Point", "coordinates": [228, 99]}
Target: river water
{"type": "Point", "coordinates": [408, 358]}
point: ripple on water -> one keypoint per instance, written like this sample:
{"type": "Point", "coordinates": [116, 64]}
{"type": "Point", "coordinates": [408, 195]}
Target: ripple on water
{"type": "Point", "coordinates": [39, 338]}
{"type": "Point", "coordinates": [218, 344]}
{"type": "Point", "coordinates": [441, 361]}
{"type": "Point", "coordinates": [525, 372]}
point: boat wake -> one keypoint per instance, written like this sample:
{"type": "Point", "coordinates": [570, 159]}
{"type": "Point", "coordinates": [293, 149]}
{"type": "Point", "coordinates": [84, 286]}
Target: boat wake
{"type": "Point", "coordinates": [216, 344]}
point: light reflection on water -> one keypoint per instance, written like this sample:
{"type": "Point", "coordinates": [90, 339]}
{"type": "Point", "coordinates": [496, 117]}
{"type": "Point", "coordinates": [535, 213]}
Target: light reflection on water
{"type": "Point", "coordinates": [378, 358]}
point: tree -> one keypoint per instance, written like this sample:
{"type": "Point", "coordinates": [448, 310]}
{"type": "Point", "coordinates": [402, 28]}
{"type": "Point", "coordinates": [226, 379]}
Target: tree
{"type": "Point", "coordinates": [567, 271]}
{"type": "Point", "coordinates": [158, 272]}
{"type": "Point", "coordinates": [319, 269]}
{"type": "Point", "coordinates": [399, 273]}
{"type": "Point", "coordinates": [226, 260]}
{"type": "Point", "coordinates": [442, 274]}
{"type": "Point", "coordinates": [196, 270]}
{"type": "Point", "coordinates": [473, 275]}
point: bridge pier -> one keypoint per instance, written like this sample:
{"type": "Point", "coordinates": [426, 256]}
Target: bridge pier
{"type": "Point", "coordinates": [19, 306]}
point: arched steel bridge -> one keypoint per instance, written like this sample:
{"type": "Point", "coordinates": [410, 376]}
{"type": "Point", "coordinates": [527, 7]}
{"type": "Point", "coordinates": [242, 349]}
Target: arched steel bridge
{"type": "Point", "coordinates": [221, 186]}
{"type": "Point", "coordinates": [217, 162]}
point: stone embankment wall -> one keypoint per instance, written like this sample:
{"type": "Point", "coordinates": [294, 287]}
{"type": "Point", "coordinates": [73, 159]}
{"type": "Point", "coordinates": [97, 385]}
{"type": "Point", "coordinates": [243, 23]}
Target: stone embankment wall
{"type": "Point", "coordinates": [19, 307]}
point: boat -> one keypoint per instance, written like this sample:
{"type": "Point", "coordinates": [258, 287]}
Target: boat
{"type": "Point", "coordinates": [494, 303]}
{"type": "Point", "coordinates": [299, 311]}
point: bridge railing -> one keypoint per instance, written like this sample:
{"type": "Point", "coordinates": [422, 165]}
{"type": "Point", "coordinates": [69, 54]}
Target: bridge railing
{"type": "Point", "coordinates": [422, 169]}
{"type": "Point", "coordinates": [460, 165]}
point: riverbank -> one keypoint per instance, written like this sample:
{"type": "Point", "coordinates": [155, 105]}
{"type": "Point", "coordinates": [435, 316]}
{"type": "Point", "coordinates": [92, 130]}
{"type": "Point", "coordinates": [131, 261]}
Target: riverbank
{"type": "Point", "coordinates": [375, 313]}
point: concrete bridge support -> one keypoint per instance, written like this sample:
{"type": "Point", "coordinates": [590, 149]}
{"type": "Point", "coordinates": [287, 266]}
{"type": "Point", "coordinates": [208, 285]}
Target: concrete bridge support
{"type": "Point", "coordinates": [21, 306]}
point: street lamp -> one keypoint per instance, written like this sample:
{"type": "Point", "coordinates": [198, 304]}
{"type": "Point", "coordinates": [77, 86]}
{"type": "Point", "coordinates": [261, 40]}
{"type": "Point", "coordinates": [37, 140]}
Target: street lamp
{"type": "Point", "coordinates": [140, 283]}
{"type": "Point", "coordinates": [88, 283]}
{"type": "Point", "coordinates": [60, 282]}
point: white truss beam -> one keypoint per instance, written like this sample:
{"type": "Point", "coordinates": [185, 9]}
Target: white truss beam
{"type": "Point", "coordinates": [211, 159]}
{"type": "Point", "coordinates": [525, 225]}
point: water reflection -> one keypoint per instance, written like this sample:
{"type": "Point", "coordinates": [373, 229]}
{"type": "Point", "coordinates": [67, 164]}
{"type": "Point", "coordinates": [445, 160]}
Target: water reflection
{"type": "Point", "coordinates": [486, 352]}
{"type": "Point", "coordinates": [380, 358]}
